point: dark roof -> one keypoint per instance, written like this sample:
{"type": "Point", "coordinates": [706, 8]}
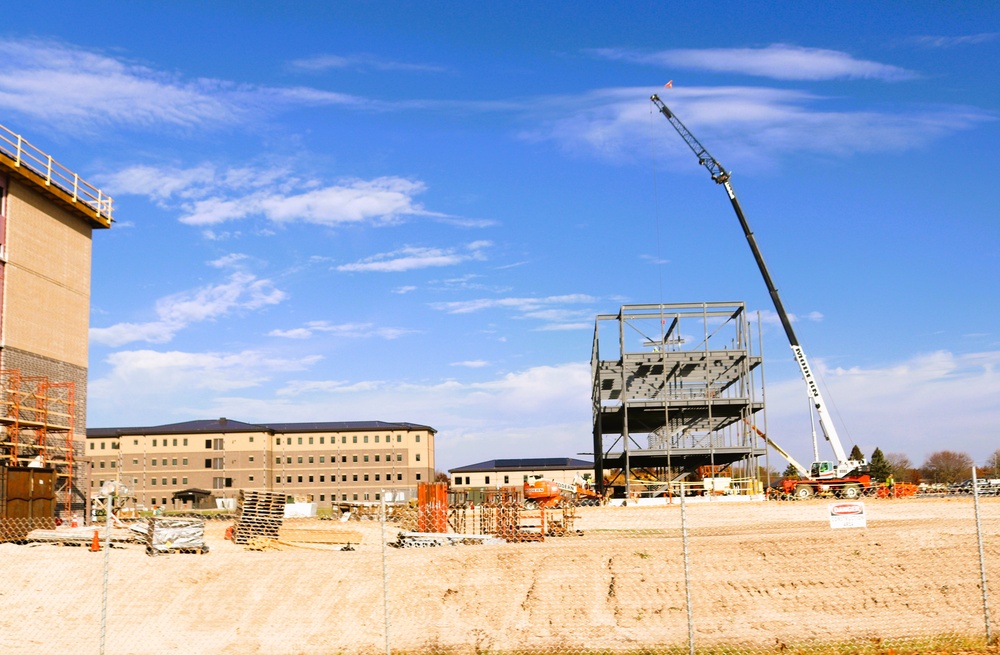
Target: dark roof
{"type": "Point", "coordinates": [191, 493]}
{"type": "Point", "coordinates": [531, 464]}
{"type": "Point", "coordinates": [229, 425]}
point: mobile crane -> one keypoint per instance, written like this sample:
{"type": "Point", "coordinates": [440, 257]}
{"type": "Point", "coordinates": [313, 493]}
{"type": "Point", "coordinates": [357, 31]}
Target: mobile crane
{"type": "Point", "coordinates": [845, 477]}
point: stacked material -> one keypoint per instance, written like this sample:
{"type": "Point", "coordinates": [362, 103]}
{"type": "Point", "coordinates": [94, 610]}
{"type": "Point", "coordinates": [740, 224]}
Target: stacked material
{"type": "Point", "coordinates": [166, 535]}
{"type": "Point", "coordinates": [258, 514]}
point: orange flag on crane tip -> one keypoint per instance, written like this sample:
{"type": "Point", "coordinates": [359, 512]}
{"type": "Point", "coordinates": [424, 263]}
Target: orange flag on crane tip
{"type": "Point", "coordinates": [669, 85]}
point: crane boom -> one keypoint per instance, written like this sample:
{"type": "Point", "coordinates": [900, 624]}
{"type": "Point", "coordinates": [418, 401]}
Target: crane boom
{"type": "Point", "coordinates": [721, 176]}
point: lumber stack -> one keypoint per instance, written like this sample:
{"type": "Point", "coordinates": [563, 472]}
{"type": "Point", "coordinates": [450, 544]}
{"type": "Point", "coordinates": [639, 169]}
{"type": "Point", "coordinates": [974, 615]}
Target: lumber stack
{"type": "Point", "coordinates": [258, 514]}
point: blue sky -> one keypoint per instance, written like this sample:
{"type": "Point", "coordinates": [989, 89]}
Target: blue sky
{"type": "Point", "coordinates": [407, 211]}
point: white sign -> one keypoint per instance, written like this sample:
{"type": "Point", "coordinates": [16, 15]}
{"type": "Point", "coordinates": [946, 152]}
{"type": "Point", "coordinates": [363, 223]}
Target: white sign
{"type": "Point", "coordinates": [847, 515]}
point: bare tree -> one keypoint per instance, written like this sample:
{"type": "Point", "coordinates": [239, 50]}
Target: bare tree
{"type": "Point", "coordinates": [947, 466]}
{"type": "Point", "coordinates": [993, 463]}
{"type": "Point", "coordinates": [901, 466]}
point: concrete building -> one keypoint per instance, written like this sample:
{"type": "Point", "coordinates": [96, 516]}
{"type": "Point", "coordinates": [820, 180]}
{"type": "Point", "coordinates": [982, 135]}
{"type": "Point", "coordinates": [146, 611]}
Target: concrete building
{"type": "Point", "coordinates": [191, 464]}
{"type": "Point", "coordinates": [47, 217]}
{"type": "Point", "coordinates": [497, 473]}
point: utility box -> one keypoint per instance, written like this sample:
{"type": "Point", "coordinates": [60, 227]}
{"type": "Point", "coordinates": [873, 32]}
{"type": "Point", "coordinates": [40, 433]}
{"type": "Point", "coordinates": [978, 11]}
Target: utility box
{"type": "Point", "coordinates": [27, 501]}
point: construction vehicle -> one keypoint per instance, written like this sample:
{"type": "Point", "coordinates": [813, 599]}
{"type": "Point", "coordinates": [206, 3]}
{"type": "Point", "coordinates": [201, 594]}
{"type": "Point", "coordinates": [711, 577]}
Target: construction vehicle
{"type": "Point", "coordinates": [540, 492]}
{"type": "Point", "coordinates": [845, 477]}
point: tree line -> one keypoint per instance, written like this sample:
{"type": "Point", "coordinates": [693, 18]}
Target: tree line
{"type": "Point", "coordinates": [941, 467]}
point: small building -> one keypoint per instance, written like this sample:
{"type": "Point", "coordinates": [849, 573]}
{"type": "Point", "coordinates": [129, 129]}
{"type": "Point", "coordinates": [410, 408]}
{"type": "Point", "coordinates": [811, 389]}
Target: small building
{"type": "Point", "coordinates": [497, 473]}
{"type": "Point", "coordinates": [325, 463]}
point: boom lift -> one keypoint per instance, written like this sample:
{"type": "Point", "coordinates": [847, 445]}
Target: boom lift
{"type": "Point", "coordinates": [845, 476]}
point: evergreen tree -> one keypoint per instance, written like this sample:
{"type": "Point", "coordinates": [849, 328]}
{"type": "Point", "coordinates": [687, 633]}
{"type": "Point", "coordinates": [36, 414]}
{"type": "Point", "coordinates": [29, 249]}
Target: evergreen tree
{"type": "Point", "coordinates": [879, 467]}
{"type": "Point", "coordinates": [856, 453]}
{"type": "Point", "coordinates": [790, 472]}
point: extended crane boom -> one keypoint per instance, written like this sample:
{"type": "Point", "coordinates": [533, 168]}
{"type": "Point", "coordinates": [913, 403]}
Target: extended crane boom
{"type": "Point", "coordinates": [721, 176]}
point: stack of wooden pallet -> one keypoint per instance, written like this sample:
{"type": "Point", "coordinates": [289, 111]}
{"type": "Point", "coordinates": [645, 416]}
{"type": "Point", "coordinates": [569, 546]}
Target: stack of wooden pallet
{"type": "Point", "coordinates": [258, 514]}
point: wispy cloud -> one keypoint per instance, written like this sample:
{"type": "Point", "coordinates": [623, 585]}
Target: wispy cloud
{"type": "Point", "coordinates": [953, 41]}
{"type": "Point", "coordinates": [242, 291]}
{"type": "Point", "coordinates": [342, 330]}
{"type": "Point", "coordinates": [207, 195]}
{"type": "Point", "coordinates": [76, 88]}
{"type": "Point", "coordinates": [363, 62]}
{"type": "Point", "coordinates": [413, 258]}
{"type": "Point", "coordinates": [777, 61]}
{"type": "Point", "coordinates": [471, 363]}
{"type": "Point", "coordinates": [555, 312]}
{"type": "Point", "coordinates": [757, 124]}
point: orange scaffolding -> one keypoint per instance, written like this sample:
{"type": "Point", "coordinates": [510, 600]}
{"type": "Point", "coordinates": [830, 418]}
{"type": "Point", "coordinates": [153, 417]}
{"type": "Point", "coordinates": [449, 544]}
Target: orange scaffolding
{"type": "Point", "coordinates": [36, 424]}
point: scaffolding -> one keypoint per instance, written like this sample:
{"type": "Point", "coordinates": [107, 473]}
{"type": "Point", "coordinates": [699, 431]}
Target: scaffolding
{"type": "Point", "coordinates": [681, 378]}
{"type": "Point", "coordinates": [36, 427]}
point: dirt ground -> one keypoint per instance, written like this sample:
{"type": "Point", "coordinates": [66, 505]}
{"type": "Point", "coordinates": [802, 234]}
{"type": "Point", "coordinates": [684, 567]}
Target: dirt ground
{"type": "Point", "coordinates": [763, 577]}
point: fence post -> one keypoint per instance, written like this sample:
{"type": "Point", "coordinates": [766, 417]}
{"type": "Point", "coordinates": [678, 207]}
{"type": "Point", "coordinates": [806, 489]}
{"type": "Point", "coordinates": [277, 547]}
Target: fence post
{"type": "Point", "coordinates": [982, 561]}
{"type": "Point", "coordinates": [687, 574]}
{"type": "Point", "coordinates": [385, 581]}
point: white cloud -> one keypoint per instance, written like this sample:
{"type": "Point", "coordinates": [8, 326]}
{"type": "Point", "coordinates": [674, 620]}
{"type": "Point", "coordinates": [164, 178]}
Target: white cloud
{"type": "Point", "coordinates": [953, 41]}
{"type": "Point", "coordinates": [73, 88]}
{"type": "Point", "coordinates": [228, 261]}
{"type": "Point", "coordinates": [472, 363]}
{"type": "Point", "coordinates": [325, 62]}
{"type": "Point", "coordinates": [519, 304]}
{"type": "Point", "coordinates": [413, 258]}
{"type": "Point", "coordinates": [930, 402]}
{"type": "Point", "coordinates": [242, 291]}
{"type": "Point", "coordinates": [777, 61]}
{"type": "Point", "coordinates": [342, 330]}
{"type": "Point", "coordinates": [756, 125]}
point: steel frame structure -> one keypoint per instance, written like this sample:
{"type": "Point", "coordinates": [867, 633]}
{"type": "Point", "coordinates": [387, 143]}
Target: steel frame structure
{"type": "Point", "coordinates": [682, 377]}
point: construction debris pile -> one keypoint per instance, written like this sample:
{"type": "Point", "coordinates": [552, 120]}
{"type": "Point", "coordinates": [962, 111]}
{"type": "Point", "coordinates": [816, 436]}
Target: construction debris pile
{"type": "Point", "coordinates": [258, 514]}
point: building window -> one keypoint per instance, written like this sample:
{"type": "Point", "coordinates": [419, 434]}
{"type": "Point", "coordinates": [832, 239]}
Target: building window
{"type": "Point", "coordinates": [417, 438]}
{"type": "Point", "coordinates": [208, 444]}
{"type": "Point", "coordinates": [466, 479]}
{"type": "Point", "coordinates": [321, 443]}
{"type": "Point", "coordinates": [184, 462]}
{"type": "Point", "coordinates": [310, 478]}
{"type": "Point", "coordinates": [300, 441]}
{"type": "Point", "coordinates": [173, 480]}
{"type": "Point", "coordinates": [277, 441]}
{"type": "Point", "coordinates": [153, 481]}
{"type": "Point", "coordinates": [250, 478]}
{"type": "Point", "coordinates": [208, 463]}
{"type": "Point", "coordinates": [376, 458]}
{"type": "Point", "coordinates": [322, 460]}
{"type": "Point", "coordinates": [300, 460]}
{"type": "Point", "coordinates": [154, 444]}
{"type": "Point", "coordinates": [164, 482]}
{"type": "Point", "coordinates": [251, 458]}
{"type": "Point", "coordinates": [487, 479]}
{"type": "Point", "coordinates": [322, 478]}
{"type": "Point", "coordinates": [114, 445]}
{"type": "Point", "coordinates": [217, 444]}
{"type": "Point", "coordinates": [277, 479]}
{"type": "Point", "coordinates": [310, 441]}
{"type": "Point", "coordinates": [506, 479]}
{"type": "Point", "coordinates": [219, 463]}
{"type": "Point", "coordinates": [418, 457]}
{"type": "Point", "coordinates": [153, 462]}
{"type": "Point", "coordinates": [344, 440]}
{"type": "Point", "coordinates": [399, 476]}
{"type": "Point", "coordinates": [91, 445]}
{"type": "Point", "coordinates": [366, 496]}
{"type": "Point", "coordinates": [377, 495]}
{"type": "Point", "coordinates": [354, 458]}
{"type": "Point", "coordinates": [135, 442]}
{"type": "Point", "coordinates": [288, 479]}
{"type": "Point", "coordinates": [300, 479]}
{"type": "Point", "coordinates": [288, 460]}
{"type": "Point", "coordinates": [418, 478]}
{"type": "Point", "coordinates": [218, 483]}
{"type": "Point", "coordinates": [322, 497]}
{"type": "Point", "coordinates": [164, 461]}
{"type": "Point", "coordinates": [366, 477]}
{"type": "Point", "coordinates": [399, 457]}
{"type": "Point", "coordinates": [343, 478]}
{"type": "Point", "coordinates": [366, 441]}
{"type": "Point", "coordinates": [355, 478]}
{"type": "Point", "coordinates": [251, 439]}
{"type": "Point", "coordinates": [135, 462]}
{"type": "Point", "coordinates": [184, 480]}
{"type": "Point", "coordinates": [355, 496]}
{"type": "Point", "coordinates": [377, 477]}
{"type": "Point", "coordinates": [185, 442]}
{"type": "Point", "coordinates": [102, 463]}
{"type": "Point", "coordinates": [354, 439]}
{"type": "Point", "coordinates": [173, 462]}
{"type": "Point", "coordinates": [175, 442]}
{"type": "Point", "coordinates": [112, 463]}
{"type": "Point", "coordinates": [366, 458]}
{"type": "Point", "coordinates": [310, 459]}
{"type": "Point", "coordinates": [376, 441]}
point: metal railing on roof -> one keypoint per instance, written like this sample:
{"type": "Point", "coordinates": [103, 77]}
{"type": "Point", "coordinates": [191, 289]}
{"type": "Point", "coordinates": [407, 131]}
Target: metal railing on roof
{"type": "Point", "coordinates": [24, 154]}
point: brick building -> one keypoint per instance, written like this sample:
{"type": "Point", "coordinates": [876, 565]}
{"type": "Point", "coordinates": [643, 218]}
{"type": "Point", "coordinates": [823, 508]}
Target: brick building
{"type": "Point", "coordinates": [47, 217]}
{"type": "Point", "coordinates": [325, 463]}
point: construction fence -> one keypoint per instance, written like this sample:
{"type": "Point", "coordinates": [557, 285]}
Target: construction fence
{"type": "Point", "coordinates": [692, 575]}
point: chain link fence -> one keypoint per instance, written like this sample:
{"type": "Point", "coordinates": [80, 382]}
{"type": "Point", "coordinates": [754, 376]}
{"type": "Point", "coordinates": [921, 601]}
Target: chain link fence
{"type": "Point", "coordinates": [706, 575]}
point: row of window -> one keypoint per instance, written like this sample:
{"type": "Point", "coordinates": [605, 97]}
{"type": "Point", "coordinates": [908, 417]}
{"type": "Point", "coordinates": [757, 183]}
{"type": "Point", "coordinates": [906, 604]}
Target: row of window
{"type": "Point", "coordinates": [219, 462]}
{"type": "Point", "coordinates": [219, 443]}
{"type": "Point", "coordinates": [222, 482]}
{"type": "Point", "coordinates": [468, 480]}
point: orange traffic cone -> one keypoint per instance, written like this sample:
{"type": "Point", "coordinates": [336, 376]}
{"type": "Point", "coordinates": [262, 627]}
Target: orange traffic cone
{"type": "Point", "coordinates": [95, 544]}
